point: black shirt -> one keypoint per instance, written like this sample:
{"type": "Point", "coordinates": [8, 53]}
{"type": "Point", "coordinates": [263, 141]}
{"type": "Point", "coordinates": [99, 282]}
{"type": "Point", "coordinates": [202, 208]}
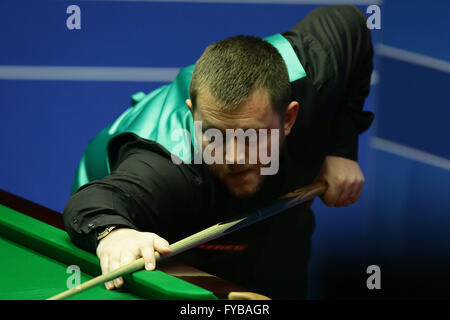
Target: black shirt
{"type": "Point", "coordinates": [147, 192]}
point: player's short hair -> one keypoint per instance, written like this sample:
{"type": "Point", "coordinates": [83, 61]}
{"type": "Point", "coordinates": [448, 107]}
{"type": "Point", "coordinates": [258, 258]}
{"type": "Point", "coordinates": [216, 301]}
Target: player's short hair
{"type": "Point", "coordinates": [231, 69]}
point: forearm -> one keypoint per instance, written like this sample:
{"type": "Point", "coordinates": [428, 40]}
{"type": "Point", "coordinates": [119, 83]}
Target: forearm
{"type": "Point", "coordinates": [350, 119]}
{"type": "Point", "coordinates": [146, 192]}
{"type": "Point", "coordinates": [91, 209]}
{"type": "Point", "coordinates": [335, 47]}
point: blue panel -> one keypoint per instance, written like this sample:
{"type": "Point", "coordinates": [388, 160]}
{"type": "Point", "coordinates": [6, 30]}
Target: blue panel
{"type": "Point", "coordinates": [410, 219]}
{"type": "Point", "coordinates": [414, 106]}
{"type": "Point", "coordinates": [46, 125]}
{"type": "Point", "coordinates": [131, 33]}
{"type": "Point", "coordinates": [419, 26]}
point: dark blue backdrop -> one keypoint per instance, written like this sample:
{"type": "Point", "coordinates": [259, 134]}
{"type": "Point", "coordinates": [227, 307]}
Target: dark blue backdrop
{"type": "Point", "coordinates": [402, 220]}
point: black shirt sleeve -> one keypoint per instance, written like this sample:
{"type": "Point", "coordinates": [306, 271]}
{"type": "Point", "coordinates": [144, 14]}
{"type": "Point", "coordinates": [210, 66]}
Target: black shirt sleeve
{"type": "Point", "coordinates": [146, 191]}
{"type": "Point", "coordinates": [335, 47]}
{"type": "Point", "coordinates": [357, 57]}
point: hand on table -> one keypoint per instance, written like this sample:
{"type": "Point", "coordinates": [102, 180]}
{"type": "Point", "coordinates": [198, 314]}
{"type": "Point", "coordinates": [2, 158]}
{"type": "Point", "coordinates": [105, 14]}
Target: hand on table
{"type": "Point", "coordinates": [345, 181]}
{"type": "Point", "coordinates": [123, 246]}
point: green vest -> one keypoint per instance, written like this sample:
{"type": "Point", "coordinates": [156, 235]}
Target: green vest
{"type": "Point", "coordinates": [157, 115]}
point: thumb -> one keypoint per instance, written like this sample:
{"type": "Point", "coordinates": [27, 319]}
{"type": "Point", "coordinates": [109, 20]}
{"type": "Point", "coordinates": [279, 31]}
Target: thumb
{"type": "Point", "coordinates": [161, 245]}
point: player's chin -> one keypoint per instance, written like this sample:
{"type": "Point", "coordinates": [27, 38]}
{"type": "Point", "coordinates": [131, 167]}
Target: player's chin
{"type": "Point", "coordinates": [242, 187]}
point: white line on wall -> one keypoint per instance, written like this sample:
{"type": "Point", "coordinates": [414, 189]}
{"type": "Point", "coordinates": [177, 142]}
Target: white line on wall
{"type": "Point", "coordinates": [413, 57]}
{"type": "Point", "coordinates": [410, 153]}
{"type": "Point", "coordinates": [76, 73]}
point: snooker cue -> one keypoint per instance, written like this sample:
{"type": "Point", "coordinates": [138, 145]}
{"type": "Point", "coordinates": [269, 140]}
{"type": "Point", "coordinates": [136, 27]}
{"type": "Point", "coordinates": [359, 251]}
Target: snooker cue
{"type": "Point", "coordinates": [285, 202]}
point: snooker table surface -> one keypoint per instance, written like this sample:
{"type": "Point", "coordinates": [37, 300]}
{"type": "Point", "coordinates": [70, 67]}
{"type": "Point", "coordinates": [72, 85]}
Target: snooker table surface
{"type": "Point", "coordinates": [35, 256]}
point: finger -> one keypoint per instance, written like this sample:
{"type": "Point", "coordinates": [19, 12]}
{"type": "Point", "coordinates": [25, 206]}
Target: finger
{"type": "Point", "coordinates": [149, 257]}
{"type": "Point", "coordinates": [357, 193]}
{"type": "Point", "coordinates": [125, 259]}
{"type": "Point", "coordinates": [104, 265]}
{"type": "Point", "coordinates": [345, 196]}
{"type": "Point", "coordinates": [331, 195]}
{"type": "Point", "coordinates": [161, 245]}
{"type": "Point", "coordinates": [113, 265]}
{"type": "Point", "coordinates": [118, 282]}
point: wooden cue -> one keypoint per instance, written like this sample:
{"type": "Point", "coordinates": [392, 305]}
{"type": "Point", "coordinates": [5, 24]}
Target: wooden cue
{"type": "Point", "coordinates": [285, 202]}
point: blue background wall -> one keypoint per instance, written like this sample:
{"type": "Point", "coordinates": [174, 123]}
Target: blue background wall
{"type": "Point", "coordinates": [402, 220]}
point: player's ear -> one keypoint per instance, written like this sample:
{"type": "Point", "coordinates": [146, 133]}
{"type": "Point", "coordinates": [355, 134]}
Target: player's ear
{"type": "Point", "coordinates": [189, 104]}
{"type": "Point", "coordinates": [290, 116]}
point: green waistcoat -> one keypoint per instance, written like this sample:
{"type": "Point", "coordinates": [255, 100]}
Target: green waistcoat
{"type": "Point", "coordinates": [157, 115]}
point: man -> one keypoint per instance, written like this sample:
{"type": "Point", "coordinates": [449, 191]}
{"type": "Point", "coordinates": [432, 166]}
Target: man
{"type": "Point", "coordinates": [306, 87]}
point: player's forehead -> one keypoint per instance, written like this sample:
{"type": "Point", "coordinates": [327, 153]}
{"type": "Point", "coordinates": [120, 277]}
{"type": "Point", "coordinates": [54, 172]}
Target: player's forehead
{"type": "Point", "coordinates": [256, 112]}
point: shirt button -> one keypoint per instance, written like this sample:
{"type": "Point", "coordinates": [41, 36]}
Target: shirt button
{"type": "Point", "coordinates": [75, 221]}
{"type": "Point", "coordinates": [90, 225]}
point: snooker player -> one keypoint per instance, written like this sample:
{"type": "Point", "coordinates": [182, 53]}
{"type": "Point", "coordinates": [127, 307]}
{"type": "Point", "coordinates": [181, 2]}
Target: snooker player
{"type": "Point", "coordinates": [309, 83]}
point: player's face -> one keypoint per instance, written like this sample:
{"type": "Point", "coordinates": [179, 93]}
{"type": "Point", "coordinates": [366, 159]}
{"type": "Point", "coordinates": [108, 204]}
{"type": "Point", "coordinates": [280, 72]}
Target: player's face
{"type": "Point", "coordinates": [241, 179]}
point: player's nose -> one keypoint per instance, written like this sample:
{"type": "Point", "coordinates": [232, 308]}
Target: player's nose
{"type": "Point", "coordinates": [234, 153]}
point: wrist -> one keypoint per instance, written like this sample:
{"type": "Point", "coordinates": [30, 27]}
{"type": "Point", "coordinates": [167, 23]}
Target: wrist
{"type": "Point", "coordinates": [104, 232]}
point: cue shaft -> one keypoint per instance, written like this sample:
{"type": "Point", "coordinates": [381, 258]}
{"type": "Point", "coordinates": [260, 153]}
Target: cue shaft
{"type": "Point", "coordinates": [176, 248]}
{"type": "Point", "coordinates": [131, 267]}
{"type": "Point", "coordinates": [285, 202]}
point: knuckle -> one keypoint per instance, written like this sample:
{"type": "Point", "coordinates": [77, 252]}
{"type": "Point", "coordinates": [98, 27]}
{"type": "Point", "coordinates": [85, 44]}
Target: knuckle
{"type": "Point", "coordinates": [145, 247]}
{"type": "Point", "coordinates": [150, 235]}
{"type": "Point", "coordinates": [147, 253]}
{"type": "Point", "coordinates": [340, 181]}
{"type": "Point", "coordinates": [127, 257]}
